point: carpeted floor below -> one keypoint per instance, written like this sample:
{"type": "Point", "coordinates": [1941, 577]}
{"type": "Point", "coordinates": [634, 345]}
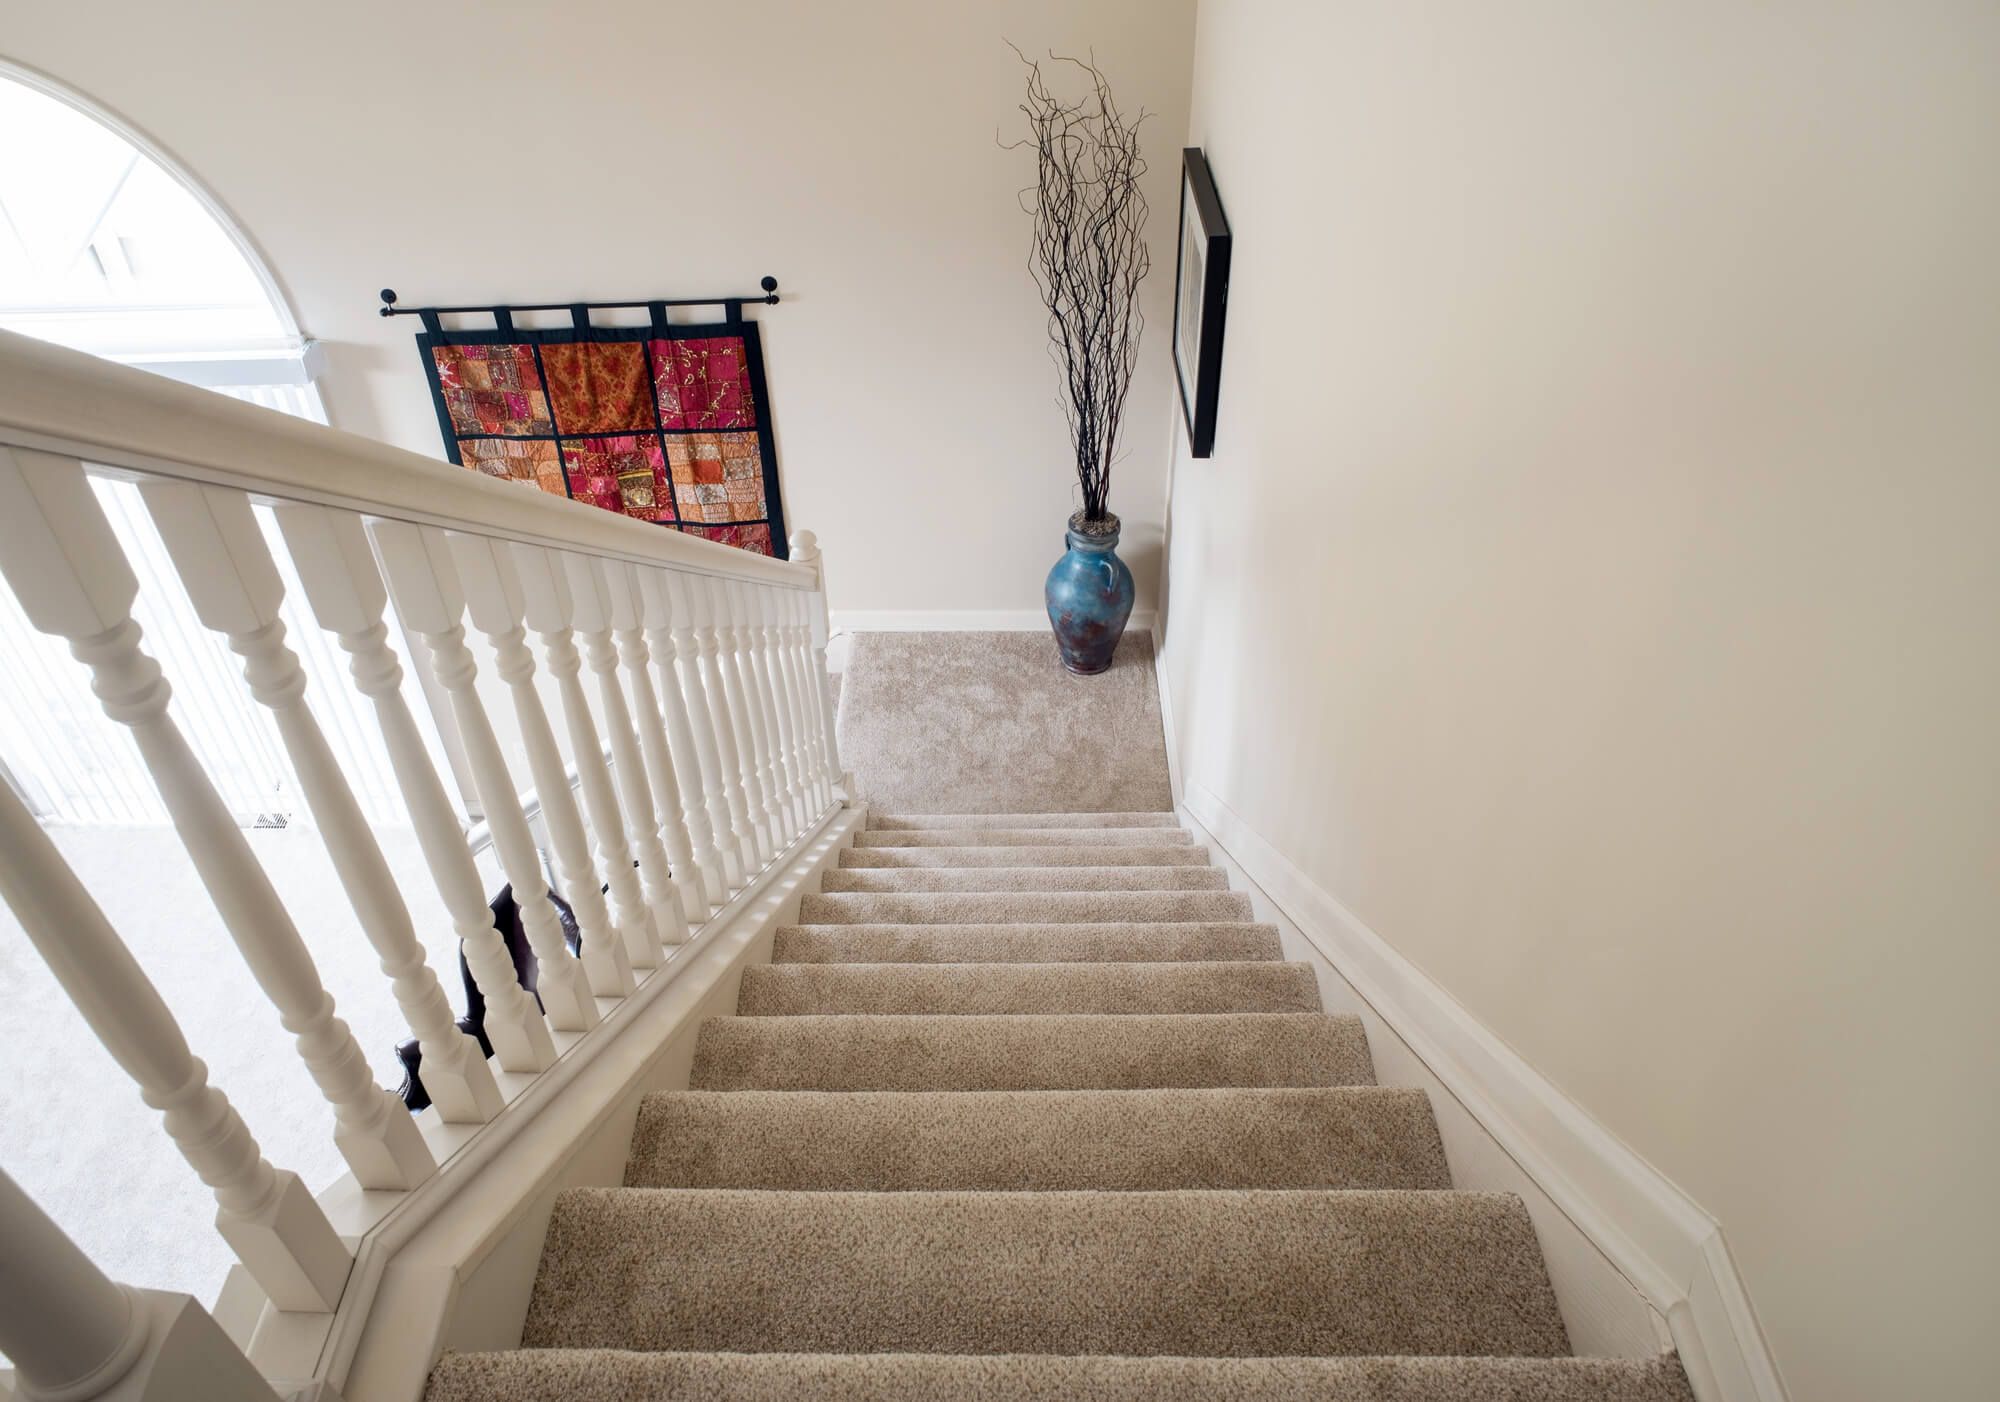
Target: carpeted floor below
{"type": "Point", "coordinates": [1014, 1115]}
{"type": "Point", "coordinates": [947, 723]}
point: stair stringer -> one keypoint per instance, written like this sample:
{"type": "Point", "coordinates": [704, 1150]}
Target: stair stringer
{"type": "Point", "coordinates": [461, 1277]}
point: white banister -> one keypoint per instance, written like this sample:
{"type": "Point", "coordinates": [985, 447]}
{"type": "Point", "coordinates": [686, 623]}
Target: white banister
{"type": "Point", "coordinates": [267, 1216]}
{"type": "Point", "coordinates": [628, 613]}
{"type": "Point", "coordinates": [702, 792]}
{"type": "Point", "coordinates": [598, 611]}
{"type": "Point", "coordinates": [330, 550]}
{"type": "Point", "coordinates": [690, 602]}
{"type": "Point", "coordinates": [702, 805]}
{"type": "Point", "coordinates": [424, 582]}
{"type": "Point", "coordinates": [72, 580]}
{"type": "Point", "coordinates": [222, 558]}
{"type": "Point", "coordinates": [74, 1334]}
{"type": "Point", "coordinates": [805, 551]}
{"type": "Point", "coordinates": [499, 605]}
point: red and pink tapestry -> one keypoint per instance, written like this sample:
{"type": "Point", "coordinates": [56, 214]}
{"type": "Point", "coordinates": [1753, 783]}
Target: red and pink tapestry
{"type": "Point", "coordinates": [662, 423]}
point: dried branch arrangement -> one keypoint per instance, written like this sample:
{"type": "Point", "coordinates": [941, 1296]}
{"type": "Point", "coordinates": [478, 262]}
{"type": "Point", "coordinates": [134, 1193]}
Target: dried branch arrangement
{"type": "Point", "coordinates": [1088, 257]}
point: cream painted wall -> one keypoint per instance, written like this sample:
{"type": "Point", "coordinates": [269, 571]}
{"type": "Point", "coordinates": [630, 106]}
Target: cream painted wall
{"type": "Point", "coordinates": [1593, 587]}
{"type": "Point", "coordinates": [464, 152]}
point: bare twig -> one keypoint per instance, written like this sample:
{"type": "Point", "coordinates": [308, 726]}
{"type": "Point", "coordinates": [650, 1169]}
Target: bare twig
{"type": "Point", "coordinates": [1087, 257]}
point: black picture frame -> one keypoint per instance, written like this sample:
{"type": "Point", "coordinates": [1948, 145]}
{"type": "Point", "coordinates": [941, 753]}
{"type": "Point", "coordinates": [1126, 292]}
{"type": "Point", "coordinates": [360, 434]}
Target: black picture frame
{"type": "Point", "coordinates": [1201, 299]}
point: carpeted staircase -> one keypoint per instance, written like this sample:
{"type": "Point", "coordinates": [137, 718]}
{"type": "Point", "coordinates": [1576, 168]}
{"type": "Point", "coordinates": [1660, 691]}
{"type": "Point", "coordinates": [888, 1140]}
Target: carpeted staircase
{"type": "Point", "coordinates": [1029, 1107]}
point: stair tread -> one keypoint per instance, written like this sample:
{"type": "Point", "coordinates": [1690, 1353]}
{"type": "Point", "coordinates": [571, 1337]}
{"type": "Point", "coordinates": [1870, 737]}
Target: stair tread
{"type": "Point", "coordinates": [613, 1375]}
{"type": "Point", "coordinates": [934, 821]}
{"type": "Point", "coordinates": [1031, 907]}
{"type": "Point", "coordinates": [1026, 1141]}
{"type": "Point", "coordinates": [1030, 944]}
{"type": "Point", "coordinates": [1032, 878]}
{"type": "Point", "coordinates": [1049, 855]}
{"type": "Point", "coordinates": [1225, 1273]}
{"type": "Point", "coordinates": [1076, 1051]}
{"type": "Point", "coordinates": [1025, 837]}
{"type": "Point", "coordinates": [1205, 986]}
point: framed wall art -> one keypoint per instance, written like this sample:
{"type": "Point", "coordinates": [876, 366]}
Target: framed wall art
{"type": "Point", "coordinates": [1201, 297]}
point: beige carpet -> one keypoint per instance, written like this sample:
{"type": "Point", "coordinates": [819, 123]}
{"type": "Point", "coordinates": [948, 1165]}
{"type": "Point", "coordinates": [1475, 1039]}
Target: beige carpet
{"type": "Point", "coordinates": [1006, 1129]}
{"type": "Point", "coordinates": [591, 1376]}
{"type": "Point", "coordinates": [991, 723]}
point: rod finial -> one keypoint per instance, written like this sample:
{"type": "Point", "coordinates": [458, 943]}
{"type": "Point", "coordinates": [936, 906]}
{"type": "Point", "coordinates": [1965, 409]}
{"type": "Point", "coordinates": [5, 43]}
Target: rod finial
{"type": "Point", "coordinates": [388, 307]}
{"type": "Point", "coordinates": [770, 286]}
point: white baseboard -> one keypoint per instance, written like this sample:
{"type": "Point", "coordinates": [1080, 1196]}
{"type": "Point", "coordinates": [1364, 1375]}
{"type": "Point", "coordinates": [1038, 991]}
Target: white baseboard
{"type": "Point", "coordinates": [1671, 1251]}
{"type": "Point", "coordinates": [959, 621]}
{"type": "Point", "coordinates": [1167, 713]}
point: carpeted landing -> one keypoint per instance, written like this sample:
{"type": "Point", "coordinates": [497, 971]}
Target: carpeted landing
{"type": "Point", "coordinates": [1029, 1106]}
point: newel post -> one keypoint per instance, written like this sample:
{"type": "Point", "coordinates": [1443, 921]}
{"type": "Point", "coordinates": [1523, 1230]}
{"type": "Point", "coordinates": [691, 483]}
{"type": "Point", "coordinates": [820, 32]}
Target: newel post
{"type": "Point", "coordinates": [805, 551]}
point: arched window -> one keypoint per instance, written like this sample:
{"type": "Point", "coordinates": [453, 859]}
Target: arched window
{"type": "Point", "coordinates": [107, 246]}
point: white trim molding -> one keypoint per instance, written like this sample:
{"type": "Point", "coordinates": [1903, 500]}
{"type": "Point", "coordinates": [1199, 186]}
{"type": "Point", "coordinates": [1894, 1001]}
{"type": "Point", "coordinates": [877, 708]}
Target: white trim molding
{"type": "Point", "coordinates": [959, 621]}
{"type": "Point", "coordinates": [1671, 1251]}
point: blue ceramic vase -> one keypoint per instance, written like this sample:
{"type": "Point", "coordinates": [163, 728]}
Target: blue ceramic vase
{"type": "Point", "coordinates": [1089, 594]}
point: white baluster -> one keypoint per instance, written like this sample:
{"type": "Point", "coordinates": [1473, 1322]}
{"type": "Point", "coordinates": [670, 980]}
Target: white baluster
{"type": "Point", "coordinates": [549, 606]}
{"type": "Point", "coordinates": [267, 1216]}
{"type": "Point", "coordinates": [424, 582]}
{"type": "Point", "coordinates": [758, 696]}
{"type": "Point", "coordinates": [223, 560]}
{"type": "Point", "coordinates": [777, 730]}
{"type": "Point", "coordinates": [73, 1333]}
{"type": "Point", "coordinates": [663, 784]}
{"type": "Point", "coordinates": [72, 579]}
{"type": "Point", "coordinates": [661, 919]}
{"type": "Point", "coordinates": [748, 722]}
{"type": "Point", "coordinates": [791, 751]}
{"type": "Point", "coordinates": [330, 551]}
{"type": "Point", "coordinates": [798, 651]}
{"type": "Point", "coordinates": [805, 551]}
{"type": "Point", "coordinates": [699, 789]}
{"type": "Point", "coordinates": [798, 764]}
{"type": "Point", "coordinates": [497, 599]}
{"type": "Point", "coordinates": [64, 1323]}
{"type": "Point", "coordinates": [690, 598]}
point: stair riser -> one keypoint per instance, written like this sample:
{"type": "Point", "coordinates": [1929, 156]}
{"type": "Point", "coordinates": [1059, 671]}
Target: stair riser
{"type": "Point", "coordinates": [974, 989]}
{"type": "Point", "coordinates": [1097, 856]}
{"type": "Point", "coordinates": [1030, 1053]}
{"type": "Point", "coordinates": [1028, 837]}
{"type": "Point", "coordinates": [1173, 878]}
{"type": "Point", "coordinates": [905, 822]}
{"type": "Point", "coordinates": [1189, 1273]}
{"type": "Point", "coordinates": [1015, 944]}
{"type": "Point", "coordinates": [1022, 907]}
{"type": "Point", "coordinates": [610, 1376]}
{"type": "Point", "coordinates": [1039, 1141]}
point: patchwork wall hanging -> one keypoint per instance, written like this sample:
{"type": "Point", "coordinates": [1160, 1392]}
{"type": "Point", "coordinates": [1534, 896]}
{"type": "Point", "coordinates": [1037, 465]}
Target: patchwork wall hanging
{"type": "Point", "coordinates": [665, 423]}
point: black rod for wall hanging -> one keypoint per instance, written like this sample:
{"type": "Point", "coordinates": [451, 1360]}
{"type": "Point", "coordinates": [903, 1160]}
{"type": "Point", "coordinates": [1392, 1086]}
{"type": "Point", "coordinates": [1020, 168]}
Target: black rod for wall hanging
{"type": "Point", "coordinates": [769, 284]}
